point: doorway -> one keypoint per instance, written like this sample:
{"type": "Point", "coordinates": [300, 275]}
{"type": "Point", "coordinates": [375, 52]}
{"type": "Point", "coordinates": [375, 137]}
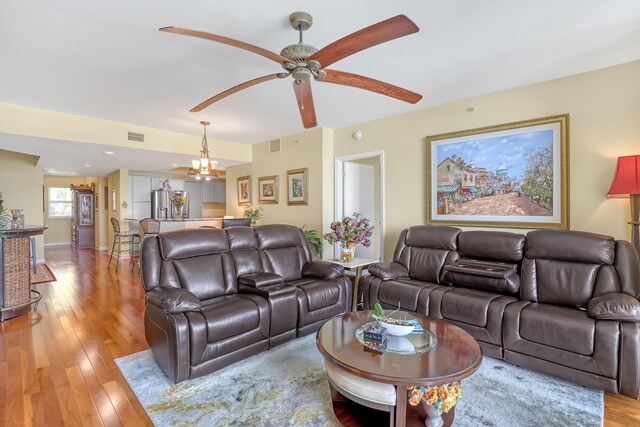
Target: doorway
{"type": "Point", "coordinates": [360, 188]}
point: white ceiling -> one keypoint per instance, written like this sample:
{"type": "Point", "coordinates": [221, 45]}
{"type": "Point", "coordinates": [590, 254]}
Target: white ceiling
{"type": "Point", "coordinates": [107, 59]}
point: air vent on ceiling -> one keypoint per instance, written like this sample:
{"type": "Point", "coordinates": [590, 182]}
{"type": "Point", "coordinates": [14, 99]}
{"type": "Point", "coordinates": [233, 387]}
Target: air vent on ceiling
{"type": "Point", "coordinates": [135, 137]}
{"type": "Point", "coordinates": [274, 146]}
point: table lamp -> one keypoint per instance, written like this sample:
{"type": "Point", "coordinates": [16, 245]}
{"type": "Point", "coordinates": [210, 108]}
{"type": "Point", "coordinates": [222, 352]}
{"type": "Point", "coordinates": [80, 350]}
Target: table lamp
{"type": "Point", "coordinates": [627, 181]}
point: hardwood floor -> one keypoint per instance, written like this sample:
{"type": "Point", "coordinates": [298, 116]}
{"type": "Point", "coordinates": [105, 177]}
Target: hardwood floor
{"type": "Point", "coordinates": [56, 365]}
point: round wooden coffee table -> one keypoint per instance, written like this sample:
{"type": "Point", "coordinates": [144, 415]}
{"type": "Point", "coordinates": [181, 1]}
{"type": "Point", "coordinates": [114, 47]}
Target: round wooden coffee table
{"type": "Point", "coordinates": [455, 356]}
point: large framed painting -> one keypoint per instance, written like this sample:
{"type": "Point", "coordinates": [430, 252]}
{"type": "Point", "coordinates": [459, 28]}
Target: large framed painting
{"type": "Point", "coordinates": [510, 175]}
{"type": "Point", "coordinates": [297, 186]}
{"type": "Point", "coordinates": [268, 189]}
{"type": "Point", "coordinates": [244, 190]}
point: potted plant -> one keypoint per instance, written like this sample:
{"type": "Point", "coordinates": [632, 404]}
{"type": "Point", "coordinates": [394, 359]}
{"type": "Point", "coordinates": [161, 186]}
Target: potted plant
{"type": "Point", "coordinates": [349, 232]}
{"type": "Point", "coordinates": [254, 214]}
{"type": "Point", "coordinates": [315, 242]}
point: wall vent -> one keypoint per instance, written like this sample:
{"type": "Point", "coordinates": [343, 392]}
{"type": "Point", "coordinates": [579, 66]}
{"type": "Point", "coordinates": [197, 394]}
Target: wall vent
{"type": "Point", "coordinates": [274, 146]}
{"type": "Point", "coordinates": [135, 137]}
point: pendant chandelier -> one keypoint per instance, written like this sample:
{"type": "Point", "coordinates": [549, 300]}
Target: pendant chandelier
{"type": "Point", "coordinates": [204, 167]}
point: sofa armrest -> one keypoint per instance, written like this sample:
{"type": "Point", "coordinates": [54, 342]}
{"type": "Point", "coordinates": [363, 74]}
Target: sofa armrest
{"type": "Point", "coordinates": [260, 280]}
{"type": "Point", "coordinates": [173, 300]}
{"type": "Point", "coordinates": [388, 270]}
{"type": "Point", "coordinates": [323, 270]}
{"type": "Point", "coordinates": [614, 306]}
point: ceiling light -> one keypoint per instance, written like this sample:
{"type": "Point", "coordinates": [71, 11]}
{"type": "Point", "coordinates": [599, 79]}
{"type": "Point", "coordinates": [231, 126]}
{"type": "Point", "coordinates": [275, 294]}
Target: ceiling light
{"type": "Point", "coordinates": [107, 153]}
{"type": "Point", "coordinates": [175, 165]}
{"type": "Point", "coordinates": [204, 166]}
{"type": "Point", "coordinates": [87, 165]}
{"type": "Point", "coordinates": [74, 173]}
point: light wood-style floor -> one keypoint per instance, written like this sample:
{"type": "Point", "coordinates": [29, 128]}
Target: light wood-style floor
{"type": "Point", "coordinates": [56, 365]}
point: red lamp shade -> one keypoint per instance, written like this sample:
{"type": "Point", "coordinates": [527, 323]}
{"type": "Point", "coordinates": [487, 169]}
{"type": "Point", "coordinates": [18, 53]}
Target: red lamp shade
{"type": "Point", "coordinates": [627, 177]}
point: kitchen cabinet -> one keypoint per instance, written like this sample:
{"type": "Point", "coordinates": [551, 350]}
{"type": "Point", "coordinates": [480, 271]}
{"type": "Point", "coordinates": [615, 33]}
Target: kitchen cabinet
{"type": "Point", "coordinates": [194, 191]}
{"type": "Point", "coordinates": [140, 189]}
{"type": "Point", "coordinates": [214, 192]}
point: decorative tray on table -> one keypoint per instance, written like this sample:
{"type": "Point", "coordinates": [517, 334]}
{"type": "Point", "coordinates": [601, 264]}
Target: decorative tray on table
{"type": "Point", "coordinates": [419, 341]}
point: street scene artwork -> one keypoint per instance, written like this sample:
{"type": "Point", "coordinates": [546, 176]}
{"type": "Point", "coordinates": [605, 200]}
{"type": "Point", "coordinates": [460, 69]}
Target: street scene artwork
{"type": "Point", "coordinates": [507, 175]}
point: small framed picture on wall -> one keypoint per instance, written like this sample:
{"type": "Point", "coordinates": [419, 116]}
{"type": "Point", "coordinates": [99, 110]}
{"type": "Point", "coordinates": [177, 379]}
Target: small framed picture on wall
{"type": "Point", "coordinates": [244, 190]}
{"type": "Point", "coordinates": [268, 189]}
{"type": "Point", "coordinates": [297, 186]}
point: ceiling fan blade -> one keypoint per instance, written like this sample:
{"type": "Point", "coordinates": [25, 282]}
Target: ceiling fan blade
{"type": "Point", "coordinates": [226, 40]}
{"type": "Point", "coordinates": [235, 89]}
{"type": "Point", "coordinates": [383, 31]}
{"type": "Point", "coordinates": [367, 83]}
{"type": "Point", "coordinates": [305, 104]}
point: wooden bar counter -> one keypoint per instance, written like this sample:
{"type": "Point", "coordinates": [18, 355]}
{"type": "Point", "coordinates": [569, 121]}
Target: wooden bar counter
{"type": "Point", "coordinates": [16, 294]}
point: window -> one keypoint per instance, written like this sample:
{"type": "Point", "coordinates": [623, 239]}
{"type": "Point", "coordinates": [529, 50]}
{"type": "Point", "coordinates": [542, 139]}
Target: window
{"type": "Point", "coordinates": [60, 202]}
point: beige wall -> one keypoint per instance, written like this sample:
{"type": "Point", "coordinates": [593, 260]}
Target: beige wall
{"type": "Point", "coordinates": [604, 109]}
{"type": "Point", "coordinates": [21, 188]}
{"type": "Point", "coordinates": [103, 226]}
{"type": "Point", "coordinates": [308, 149]}
{"type": "Point", "coordinates": [20, 120]}
{"type": "Point", "coordinates": [117, 181]}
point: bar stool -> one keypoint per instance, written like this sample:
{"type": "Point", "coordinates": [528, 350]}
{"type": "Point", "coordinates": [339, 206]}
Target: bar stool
{"type": "Point", "coordinates": [149, 227]}
{"type": "Point", "coordinates": [122, 238]}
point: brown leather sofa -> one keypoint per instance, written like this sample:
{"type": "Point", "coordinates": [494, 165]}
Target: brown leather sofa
{"type": "Point", "coordinates": [560, 302]}
{"type": "Point", "coordinates": [214, 296]}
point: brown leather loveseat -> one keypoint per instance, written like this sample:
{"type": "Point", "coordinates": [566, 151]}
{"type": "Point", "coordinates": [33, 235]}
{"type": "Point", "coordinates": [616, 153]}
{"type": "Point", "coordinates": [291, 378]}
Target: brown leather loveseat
{"type": "Point", "coordinates": [560, 302]}
{"type": "Point", "coordinates": [214, 297]}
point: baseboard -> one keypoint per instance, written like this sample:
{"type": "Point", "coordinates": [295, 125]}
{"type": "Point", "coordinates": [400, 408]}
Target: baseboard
{"type": "Point", "coordinates": [57, 245]}
{"type": "Point", "coordinates": [103, 248]}
{"type": "Point", "coordinates": [40, 261]}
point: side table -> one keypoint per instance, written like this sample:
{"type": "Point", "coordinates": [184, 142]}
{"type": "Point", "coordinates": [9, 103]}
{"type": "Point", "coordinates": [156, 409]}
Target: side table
{"type": "Point", "coordinates": [356, 265]}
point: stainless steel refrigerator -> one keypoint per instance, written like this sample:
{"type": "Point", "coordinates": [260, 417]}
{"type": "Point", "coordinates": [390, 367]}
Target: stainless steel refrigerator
{"type": "Point", "coordinates": [161, 207]}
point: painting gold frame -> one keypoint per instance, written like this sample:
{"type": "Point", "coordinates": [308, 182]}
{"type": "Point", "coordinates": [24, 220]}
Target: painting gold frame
{"type": "Point", "coordinates": [244, 190]}
{"type": "Point", "coordinates": [298, 186]}
{"type": "Point", "coordinates": [493, 198]}
{"type": "Point", "coordinates": [268, 189]}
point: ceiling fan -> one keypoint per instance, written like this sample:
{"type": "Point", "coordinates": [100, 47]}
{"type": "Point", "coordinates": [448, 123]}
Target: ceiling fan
{"type": "Point", "coordinates": [303, 61]}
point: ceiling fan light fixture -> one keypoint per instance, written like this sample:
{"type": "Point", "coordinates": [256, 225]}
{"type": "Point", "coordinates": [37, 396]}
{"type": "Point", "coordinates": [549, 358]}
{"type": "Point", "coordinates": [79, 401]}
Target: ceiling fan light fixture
{"type": "Point", "coordinates": [204, 166]}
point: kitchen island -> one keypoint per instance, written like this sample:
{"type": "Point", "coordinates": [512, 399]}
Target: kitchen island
{"type": "Point", "coordinates": [179, 224]}
{"type": "Point", "coordinates": [16, 294]}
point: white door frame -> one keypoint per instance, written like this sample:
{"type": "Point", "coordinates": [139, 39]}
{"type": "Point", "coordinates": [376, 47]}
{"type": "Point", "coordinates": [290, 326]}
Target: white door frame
{"type": "Point", "coordinates": [339, 197]}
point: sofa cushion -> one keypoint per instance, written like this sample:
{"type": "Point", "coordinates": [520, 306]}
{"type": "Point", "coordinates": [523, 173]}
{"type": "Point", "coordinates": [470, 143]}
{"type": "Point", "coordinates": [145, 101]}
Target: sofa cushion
{"type": "Point", "coordinates": [189, 243]}
{"type": "Point", "coordinates": [570, 246]}
{"type": "Point", "coordinates": [491, 245]}
{"type": "Point", "coordinates": [318, 293]}
{"type": "Point", "coordinates": [432, 236]}
{"type": "Point", "coordinates": [206, 276]}
{"type": "Point", "coordinates": [560, 327]}
{"type": "Point", "coordinates": [403, 291]}
{"type": "Point", "coordinates": [231, 316]}
{"type": "Point", "coordinates": [284, 262]}
{"type": "Point", "coordinates": [467, 305]}
{"type": "Point", "coordinates": [425, 264]}
{"type": "Point", "coordinates": [565, 283]}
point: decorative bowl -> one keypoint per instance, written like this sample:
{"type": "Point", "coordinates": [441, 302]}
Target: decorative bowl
{"type": "Point", "coordinates": [397, 330]}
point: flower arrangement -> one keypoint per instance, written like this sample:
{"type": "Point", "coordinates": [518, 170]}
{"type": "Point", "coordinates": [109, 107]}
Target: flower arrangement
{"type": "Point", "coordinates": [178, 200]}
{"type": "Point", "coordinates": [443, 397]}
{"type": "Point", "coordinates": [351, 229]}
{"type": "Point", "coordinates": [254, 214]}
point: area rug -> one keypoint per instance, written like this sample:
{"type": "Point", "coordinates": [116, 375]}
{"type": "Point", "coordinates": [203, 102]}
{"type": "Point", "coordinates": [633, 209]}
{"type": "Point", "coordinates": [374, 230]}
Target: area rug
{"type": "Point", "coordinates": [43, 274]}
{"type": "Point", "coordinates": [287, 386]}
